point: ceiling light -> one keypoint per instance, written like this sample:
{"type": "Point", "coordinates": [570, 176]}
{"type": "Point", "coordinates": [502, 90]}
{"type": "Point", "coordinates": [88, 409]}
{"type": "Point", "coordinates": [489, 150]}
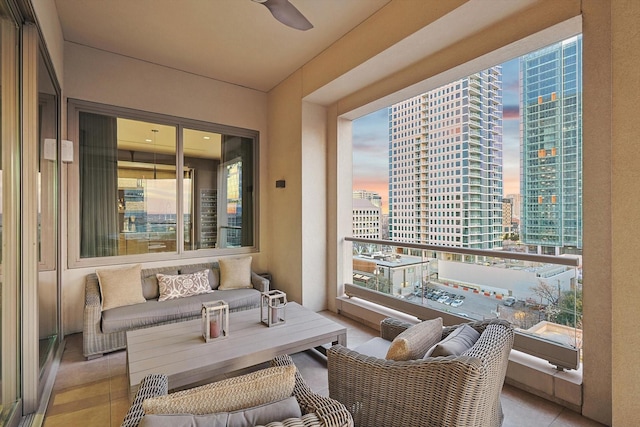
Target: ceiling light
{"type": "Point", "coordinates": [207, 137]}
{"type": "Point", "coordinates": [147, 140]}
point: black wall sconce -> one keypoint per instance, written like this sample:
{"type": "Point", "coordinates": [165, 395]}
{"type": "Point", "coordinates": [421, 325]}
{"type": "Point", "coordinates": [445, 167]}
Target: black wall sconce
{"type": "Point", "coordinates": [280, 183]}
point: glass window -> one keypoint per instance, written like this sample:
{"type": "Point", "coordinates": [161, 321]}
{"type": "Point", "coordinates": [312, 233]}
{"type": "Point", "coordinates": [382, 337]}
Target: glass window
{"type": "Point", "coordinates": [535, 123]}
{"type": "Point", "coordinates": [132, 200]}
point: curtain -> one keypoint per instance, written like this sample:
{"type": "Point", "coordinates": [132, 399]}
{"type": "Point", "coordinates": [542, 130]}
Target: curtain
{"type": "Point", "coordinates": [240, 151]}
{"type": "Point", "coordinates": [98, 186]}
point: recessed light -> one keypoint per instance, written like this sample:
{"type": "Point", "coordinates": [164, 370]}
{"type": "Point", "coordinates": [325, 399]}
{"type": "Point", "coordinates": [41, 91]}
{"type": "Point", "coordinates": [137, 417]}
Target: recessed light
{"type": "Point", "coordinates": [207, 137]}
{"type": "Point", "coordinates": [147, 140]}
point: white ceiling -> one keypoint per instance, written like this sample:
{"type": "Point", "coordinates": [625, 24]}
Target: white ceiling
{"type": "Point", "coordinates": [236, 41]}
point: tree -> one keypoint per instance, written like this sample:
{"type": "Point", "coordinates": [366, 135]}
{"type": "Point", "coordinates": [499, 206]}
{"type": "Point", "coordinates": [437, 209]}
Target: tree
{"type": "Point", "coordinates": [562, 307]}
{"type": "Point", "coordinates": [548, 293]}
{"type": "Point", "coordinates": [571, 309]}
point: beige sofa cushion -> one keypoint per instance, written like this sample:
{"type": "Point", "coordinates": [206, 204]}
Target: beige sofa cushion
{"type": "Point", "coordinates": [414, 342]}
{"type": "Point", "coordinates": [235, 273]}
{"type": "Point", "coordinates": [245, 391]}
{"type": "Point", "coordinates": [120, 286]}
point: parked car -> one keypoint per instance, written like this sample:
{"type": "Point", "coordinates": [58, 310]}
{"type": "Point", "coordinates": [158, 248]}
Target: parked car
{"type": "Point", "coordinates": [443, 299]}
{"type": "Point", "coordinates": [456, 303]}
{"type": "Point", "coordinates": [509, 301]}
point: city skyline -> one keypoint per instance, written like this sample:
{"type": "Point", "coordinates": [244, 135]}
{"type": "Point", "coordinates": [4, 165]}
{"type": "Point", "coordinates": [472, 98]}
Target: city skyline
{"type": "Point", "coordinates": [371, 142]}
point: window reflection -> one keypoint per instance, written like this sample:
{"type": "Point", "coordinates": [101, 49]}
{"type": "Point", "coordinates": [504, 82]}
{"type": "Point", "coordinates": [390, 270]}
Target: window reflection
{"type": "Point", "coordinates": [129, 182]}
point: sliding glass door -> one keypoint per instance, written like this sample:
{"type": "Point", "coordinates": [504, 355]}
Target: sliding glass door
{"type": "Point", "coordinates": [9, 211]}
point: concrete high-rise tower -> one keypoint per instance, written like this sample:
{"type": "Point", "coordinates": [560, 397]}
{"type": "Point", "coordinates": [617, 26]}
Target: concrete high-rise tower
{"type": "Point", "coordinates": [551, 147]}
{"type": "Point", "coordinates": [445, 164]}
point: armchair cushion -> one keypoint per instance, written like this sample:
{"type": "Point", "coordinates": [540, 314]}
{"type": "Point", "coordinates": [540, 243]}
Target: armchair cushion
{"type": "Point", "coordinates": [375, 347]}
{"type": "Point", "coordinates": [414, 342]}
{"type": "Point", "coordinates": [245, 391]}
{"type": "Point", "coordinates": [257, 415]}
{"type": "Point", "coordinates": [235, 273]}
{"type": "Point", "coordinates": [458, 341]}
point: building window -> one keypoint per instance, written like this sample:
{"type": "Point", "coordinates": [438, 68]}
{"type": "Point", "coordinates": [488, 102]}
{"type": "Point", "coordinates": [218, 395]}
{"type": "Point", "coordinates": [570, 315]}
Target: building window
{"type": "Point", "coordinates": [150, 184]}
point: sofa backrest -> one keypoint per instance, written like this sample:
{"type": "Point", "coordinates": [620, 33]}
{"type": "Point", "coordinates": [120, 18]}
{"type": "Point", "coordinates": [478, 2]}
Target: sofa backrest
{"type": "Point", "coordinates": [150, 288]}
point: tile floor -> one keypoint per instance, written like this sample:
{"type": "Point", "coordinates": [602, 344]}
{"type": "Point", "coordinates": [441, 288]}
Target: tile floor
{"type": "Point", "coordinates": [94, 393]}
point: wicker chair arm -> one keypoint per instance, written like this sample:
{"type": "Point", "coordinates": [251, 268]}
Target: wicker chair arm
{"type": "Point", "coordinates": [152, 385]}
{"type": "Point", "coordinates": [391, 328]}
{"type": "Point", "coordinates": [328, 412]}
{"type": "Point", "coordinates": [92, 291]}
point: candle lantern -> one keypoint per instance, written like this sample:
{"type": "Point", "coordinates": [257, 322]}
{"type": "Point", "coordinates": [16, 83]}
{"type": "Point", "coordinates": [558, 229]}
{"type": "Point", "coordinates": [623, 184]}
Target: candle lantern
{"type": "Point", "coordinates": [215, 320]}
{"type": "Point", "coordinates": [272, 307]}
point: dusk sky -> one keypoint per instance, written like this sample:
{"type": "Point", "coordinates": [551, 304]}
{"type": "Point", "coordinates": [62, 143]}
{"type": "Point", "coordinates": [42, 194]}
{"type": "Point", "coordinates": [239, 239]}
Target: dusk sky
{"type": "Point", "coordinates": [371, 143]}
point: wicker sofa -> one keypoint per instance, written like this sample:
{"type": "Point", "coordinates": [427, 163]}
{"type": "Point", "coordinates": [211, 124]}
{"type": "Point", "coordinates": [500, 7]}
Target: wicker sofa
{"type": "Point", "coordinates": [100, 335]}
{"type": "Point", "coordinates": [433, 391]}
{"type": "Point", "coordinates": [317, 410]}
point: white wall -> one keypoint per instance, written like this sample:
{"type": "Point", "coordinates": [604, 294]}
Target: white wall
{"type": "Point", "coordinates": [499, 279]}
{"type": "Point", "coordinates": [314, 206]}
{"type": "Point", "coordinates": [103, 77]}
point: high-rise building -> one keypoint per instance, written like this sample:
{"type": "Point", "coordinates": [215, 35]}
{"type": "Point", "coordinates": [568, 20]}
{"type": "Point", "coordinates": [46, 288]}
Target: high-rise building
{"type": "Point", "coordinates": [507, 216]}
{"type": "Point", "coordinates": [551, 147]}
{"type": "Point", "coordinates": [367, 219]}
{"type": "Point", "coordinates": [511, 213]}
{"type": "Point", "coordinates": [372, 196]}
{"type": "Point", "coordinates": [516, 202]}
{"type": "Point", "coordinates": [445, 164]}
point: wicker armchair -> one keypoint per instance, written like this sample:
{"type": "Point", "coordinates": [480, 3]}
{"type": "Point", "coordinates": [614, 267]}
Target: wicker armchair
{"type": "Point", "coordinates": [317, 410]}
{"type": "Point", "coordinates": [437, 391]}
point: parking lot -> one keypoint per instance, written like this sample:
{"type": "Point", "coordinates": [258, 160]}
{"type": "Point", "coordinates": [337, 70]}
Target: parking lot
{"type": "Point", "coordinates": [465, 303]}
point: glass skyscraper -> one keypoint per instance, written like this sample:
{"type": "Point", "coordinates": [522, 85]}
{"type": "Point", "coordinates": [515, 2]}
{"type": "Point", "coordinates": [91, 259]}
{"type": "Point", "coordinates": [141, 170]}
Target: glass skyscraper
{"type": "Point", "coordinates": [551, 147]}
{"type": "Point", "coordinates": [445, 164]}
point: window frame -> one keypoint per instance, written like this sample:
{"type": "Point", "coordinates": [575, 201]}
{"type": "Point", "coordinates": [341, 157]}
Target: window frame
{"type": "Point", "coordinates": [572, 27]}
{"type": "Point", "coordinates": [75, 106]}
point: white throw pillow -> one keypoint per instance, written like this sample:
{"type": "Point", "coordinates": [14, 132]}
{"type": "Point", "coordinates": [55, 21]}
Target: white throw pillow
{"type": "Point", "coordinates": [120, 286]}
{"type": "Point", "coordinates": [235, 273]}
{"type": "Point", "coordinates": [183, 285]}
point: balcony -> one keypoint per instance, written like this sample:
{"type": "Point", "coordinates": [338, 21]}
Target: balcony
{"type": "Point", "coordinates": [547, 329]}
{"type": "Point", "coordinates": [95, 392]}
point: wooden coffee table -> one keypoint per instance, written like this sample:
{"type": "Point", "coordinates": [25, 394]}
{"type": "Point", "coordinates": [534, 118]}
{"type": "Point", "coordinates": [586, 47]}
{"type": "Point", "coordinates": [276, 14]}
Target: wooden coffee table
{"type": "Point", "coordinates": [179, 351]}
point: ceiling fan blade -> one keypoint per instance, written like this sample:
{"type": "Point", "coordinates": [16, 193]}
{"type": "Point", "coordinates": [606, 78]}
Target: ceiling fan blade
{"type": "Point", "coordinates": [287, 13]}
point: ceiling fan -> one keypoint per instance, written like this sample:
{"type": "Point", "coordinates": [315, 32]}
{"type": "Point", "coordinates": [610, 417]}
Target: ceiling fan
{"type": "Point", "coordinates": [286, 13]}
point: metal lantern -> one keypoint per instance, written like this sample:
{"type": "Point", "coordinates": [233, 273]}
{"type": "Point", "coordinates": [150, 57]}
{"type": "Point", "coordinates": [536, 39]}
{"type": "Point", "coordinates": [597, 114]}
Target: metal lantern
{"type": "Point", "coordinates": [215, 320]}
{"type": "Point", "coordinates": [272, 307]}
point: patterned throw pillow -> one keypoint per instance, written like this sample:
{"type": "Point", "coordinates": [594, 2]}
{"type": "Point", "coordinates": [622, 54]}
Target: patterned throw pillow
{"type": "Point", "coordinates": [183, 285]}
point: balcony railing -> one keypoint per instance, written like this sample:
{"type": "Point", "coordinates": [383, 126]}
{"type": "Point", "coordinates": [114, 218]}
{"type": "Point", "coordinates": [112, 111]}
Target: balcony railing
{"type": "Point", "coordinates": [539, 294]}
